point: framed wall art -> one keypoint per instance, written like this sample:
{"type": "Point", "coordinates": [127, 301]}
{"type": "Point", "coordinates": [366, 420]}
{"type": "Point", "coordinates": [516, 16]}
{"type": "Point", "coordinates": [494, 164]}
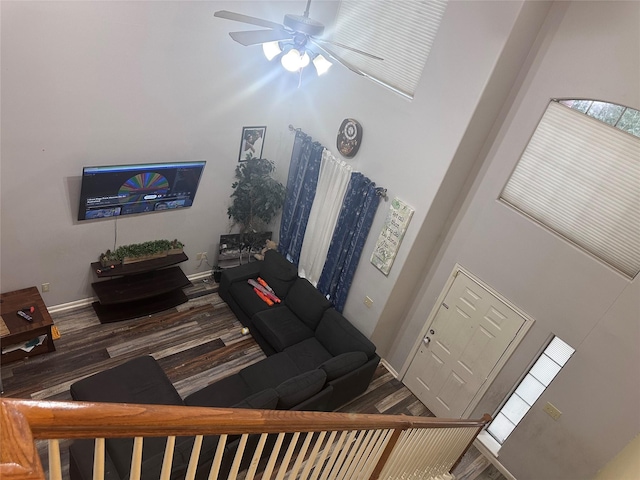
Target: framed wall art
{"type": "Point", "coordinates": [251, 143]}
{"type": "Point", "coordinates": [391, 236]}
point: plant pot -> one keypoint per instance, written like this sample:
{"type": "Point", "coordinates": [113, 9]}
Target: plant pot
{"type": "Point", "coordinates": [109, 263]}
{"type": "Point", "coordinates": [217, 274]}
{"type": "Point", "coordinates": [142, 258]}
{"type": "Point", "coordinates": [175, 251]}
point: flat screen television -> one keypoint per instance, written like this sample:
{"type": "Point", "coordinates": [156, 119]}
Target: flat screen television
{"type": "Point", "coordinates": [112, 191]}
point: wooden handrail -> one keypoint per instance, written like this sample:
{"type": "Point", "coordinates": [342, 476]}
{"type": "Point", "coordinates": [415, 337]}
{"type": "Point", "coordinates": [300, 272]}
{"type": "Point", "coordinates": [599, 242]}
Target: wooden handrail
{"type": "Point", "coordinates": [22, 421]}
{"type": "Point", "coordinates": [18, 455]}
{"type": "Point", "coordinates": [49, 419]}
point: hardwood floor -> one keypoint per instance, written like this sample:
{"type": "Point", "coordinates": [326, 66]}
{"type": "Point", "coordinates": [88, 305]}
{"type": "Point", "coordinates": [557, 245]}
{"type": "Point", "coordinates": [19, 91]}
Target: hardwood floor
{"type": "Point", "coordinates": [196, 344]}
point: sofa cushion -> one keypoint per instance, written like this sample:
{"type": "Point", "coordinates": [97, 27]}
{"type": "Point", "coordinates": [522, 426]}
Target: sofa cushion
{"type": "Point", "coordinates": [299, 388]}
{"type": "Point", "coordinates": [308, 354]}
{"type": "Point", "coordinates": [338, 336]}
{"type": "Point", "coordinates": [81, 461]}
{"type": "Point", "coordinates": [140, 380]}
{"type": "Point", "coordinates": [281, 327]}
{"type": "Point", "coordinates": [269, 372]}
{"type": "Point", "coordinates": [247, 299]}
{"type": "Point", "coordinates": [223, 393]}
{"type": "Point", "coordinates": [342, 364]}
{"type": "Point", "coordinates": [307, 302]}
{"type": "Point", "coordinates": [278, 272]}
{"type": "Point", "coordinates": [266, 399]}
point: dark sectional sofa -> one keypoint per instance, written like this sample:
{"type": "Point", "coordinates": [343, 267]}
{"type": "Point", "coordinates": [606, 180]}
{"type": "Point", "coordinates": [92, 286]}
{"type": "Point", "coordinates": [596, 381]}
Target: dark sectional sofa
{"type": "Point", "coordinates": [316, 360]}
{"type": "Point", "coordinates": [301, 334]}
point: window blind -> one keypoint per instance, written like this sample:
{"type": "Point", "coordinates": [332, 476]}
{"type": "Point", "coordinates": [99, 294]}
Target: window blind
{"type": "Point", "coordinates": [401, 32]}
{"type": "Point", "coordinates": [581, 178]}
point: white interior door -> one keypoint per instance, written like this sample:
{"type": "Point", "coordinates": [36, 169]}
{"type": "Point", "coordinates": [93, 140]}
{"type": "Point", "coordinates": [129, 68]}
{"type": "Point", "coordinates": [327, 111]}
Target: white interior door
{"type": "Point", "coordinates": [470, 332]}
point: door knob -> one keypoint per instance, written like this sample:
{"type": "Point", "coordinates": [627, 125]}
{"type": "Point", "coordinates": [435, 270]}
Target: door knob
{"type": "Point", "coordinates": [426, 340]}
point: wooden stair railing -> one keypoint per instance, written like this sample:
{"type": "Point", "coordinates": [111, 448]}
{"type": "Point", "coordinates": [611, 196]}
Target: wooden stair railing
{"type": "Point", "coordinates": [322, 444]}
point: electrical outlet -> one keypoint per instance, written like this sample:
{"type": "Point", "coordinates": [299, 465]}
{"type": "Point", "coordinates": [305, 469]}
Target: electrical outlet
{"type": "Point", "coordinates": [198, 256]}
{"type": "Point", "coordinates": [368, 302]}
{"type": "Point", "coordinates": [45, 287]}
{"type": "Point", "coordinates": [201, 256]}
{"type": "Point", "coordinates": [552, 411]}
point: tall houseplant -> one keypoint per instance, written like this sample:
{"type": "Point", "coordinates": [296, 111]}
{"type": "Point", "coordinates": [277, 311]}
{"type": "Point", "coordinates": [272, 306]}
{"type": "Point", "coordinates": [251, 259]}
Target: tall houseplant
{"type": "Point", "coordinates": [257, 197]}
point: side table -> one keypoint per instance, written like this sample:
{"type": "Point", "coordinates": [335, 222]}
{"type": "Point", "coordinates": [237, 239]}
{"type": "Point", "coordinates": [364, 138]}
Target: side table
{"type": "Point", "coordinates": [20, 330]}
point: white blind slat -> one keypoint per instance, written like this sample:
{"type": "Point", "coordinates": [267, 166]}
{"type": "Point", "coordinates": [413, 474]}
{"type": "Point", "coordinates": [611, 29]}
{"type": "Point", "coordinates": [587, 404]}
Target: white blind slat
{"type": "Point", "coordinates": [402, 33]}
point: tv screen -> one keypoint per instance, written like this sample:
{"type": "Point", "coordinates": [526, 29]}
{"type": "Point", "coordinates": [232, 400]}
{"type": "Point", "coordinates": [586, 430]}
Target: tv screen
{"type": "Point", "coordinates": [112, 191]}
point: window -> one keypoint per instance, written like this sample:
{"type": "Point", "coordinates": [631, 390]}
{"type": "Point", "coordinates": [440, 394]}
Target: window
{"type": "Point", "coordinates": [624, 118]}
{"type": "Point", "coordinates": [401, 32]}
{"type": "Point", "coordinates": [580, 175]}
{"type": "Point", "coordinates": [543, 371]}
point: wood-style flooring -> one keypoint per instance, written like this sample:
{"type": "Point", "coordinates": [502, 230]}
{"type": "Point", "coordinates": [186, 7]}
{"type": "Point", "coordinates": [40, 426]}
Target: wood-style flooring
{"type": "Point", "coordinates": [196, 344]}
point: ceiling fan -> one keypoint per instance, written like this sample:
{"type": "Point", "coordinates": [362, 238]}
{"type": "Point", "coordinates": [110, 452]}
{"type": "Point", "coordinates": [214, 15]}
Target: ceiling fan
{"type": "Point", "coordinates": [296, 41]}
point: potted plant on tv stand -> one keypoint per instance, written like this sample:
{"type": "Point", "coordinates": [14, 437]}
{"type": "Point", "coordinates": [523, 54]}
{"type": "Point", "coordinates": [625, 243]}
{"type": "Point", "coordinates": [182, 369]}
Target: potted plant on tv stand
{"type": "Point", "coordinates": [139, 252]}
{"type": "Point", "coordinates": [256, 199]}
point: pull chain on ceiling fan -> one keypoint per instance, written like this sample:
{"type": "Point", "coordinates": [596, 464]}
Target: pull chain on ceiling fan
{"type": "Point", "coordinates": [296, 41]}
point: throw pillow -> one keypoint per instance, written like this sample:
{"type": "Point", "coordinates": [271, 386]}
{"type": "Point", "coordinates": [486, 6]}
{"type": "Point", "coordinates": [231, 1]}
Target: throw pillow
{"type": "Point", "coordinates": [278, 272]}
{"type": "Point", "coordinates": [266, 399]}
{"type": "Point", "coordinates": [300, 388]}
{"type": "Point", "coordinates": [307, 302]}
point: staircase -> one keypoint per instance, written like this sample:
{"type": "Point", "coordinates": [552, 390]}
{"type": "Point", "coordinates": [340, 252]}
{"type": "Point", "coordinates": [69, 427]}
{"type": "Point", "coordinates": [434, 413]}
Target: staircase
{"type": "Point", "coordinates": [273, 444]}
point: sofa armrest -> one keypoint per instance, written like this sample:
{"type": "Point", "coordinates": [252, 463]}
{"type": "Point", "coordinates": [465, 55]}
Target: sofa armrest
{"type": "Point", "coordinates": [352, 384]}
{"type": "Point", "coordinates": [339, 336]}
{"type": "Point", "coordinates": [239, 274]}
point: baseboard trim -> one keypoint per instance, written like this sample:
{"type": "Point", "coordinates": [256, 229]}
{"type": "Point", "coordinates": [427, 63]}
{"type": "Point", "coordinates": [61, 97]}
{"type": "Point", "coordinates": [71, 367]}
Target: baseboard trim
{"type": "Point", "coordinates": [199, 275]}
{"type": "Point", "coordinates": [63, 307]}
{"type": "Point", "coordinates": [386, 365]}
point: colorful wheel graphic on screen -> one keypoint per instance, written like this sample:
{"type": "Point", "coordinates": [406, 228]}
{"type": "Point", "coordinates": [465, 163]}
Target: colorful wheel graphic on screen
{"type": "Point", "coordinates": [136, 188]}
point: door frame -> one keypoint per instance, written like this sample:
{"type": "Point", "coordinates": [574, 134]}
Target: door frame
{"type": "Point", "coordinates": [528, 323]}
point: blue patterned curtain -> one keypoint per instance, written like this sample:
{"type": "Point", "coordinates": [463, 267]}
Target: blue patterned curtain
{"type": "Point", "coordinates": [355, 219]}
{"type": "Point", "coordinates": [301, 190]}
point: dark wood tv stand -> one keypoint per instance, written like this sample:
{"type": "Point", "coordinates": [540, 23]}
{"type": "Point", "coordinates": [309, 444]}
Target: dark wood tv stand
{"type": "Point", "coordinates": [140, 288]}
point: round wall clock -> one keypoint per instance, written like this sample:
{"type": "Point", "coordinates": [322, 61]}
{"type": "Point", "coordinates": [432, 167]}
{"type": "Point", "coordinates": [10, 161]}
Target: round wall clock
{"type": "Point", "coordinates": [349, 137]}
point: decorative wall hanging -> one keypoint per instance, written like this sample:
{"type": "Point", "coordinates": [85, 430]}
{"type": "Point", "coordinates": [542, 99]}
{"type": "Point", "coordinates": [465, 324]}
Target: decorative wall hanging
{"type": "Point", "coordinates": [251, 143]}
{"type": "Point", "coordinates": [391, 236]}
{"type": "Point", "coordinates": [349, 137]}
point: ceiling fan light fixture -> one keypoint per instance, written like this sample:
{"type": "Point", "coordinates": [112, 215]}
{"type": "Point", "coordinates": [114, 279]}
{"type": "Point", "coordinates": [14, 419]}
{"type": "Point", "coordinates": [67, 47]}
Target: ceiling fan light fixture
{"type": "Point", "coordinates": [322, 64]}
{"type": "Point", "coordinates": [271, 50]}
{"type": "Point", "coordinates": [292, 60]}
{"type": "Point", "coordinates": [304, 59]}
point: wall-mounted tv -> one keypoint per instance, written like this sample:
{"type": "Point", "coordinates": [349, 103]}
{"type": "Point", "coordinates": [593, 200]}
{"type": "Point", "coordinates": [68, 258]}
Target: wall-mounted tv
{"type": "Point", "coordinates": [116, 190]}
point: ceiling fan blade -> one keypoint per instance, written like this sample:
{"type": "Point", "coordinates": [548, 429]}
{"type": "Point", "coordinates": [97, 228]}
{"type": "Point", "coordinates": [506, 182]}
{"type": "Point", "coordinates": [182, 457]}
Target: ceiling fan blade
{"type": "Point", "coordinates": [341, 45]}
{"type": "Point", "coordinates": [239, 17]}
{"type": "Point", "coordinates": [255, 37]}
{"type": "Point", "coordinates": [336, 57]}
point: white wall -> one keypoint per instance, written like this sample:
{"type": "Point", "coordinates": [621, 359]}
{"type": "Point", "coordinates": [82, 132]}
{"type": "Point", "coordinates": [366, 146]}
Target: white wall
{"type": "Point", "coordinates": [107, 83]}
{"type": "Point", "coordinates": [587, 50]}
